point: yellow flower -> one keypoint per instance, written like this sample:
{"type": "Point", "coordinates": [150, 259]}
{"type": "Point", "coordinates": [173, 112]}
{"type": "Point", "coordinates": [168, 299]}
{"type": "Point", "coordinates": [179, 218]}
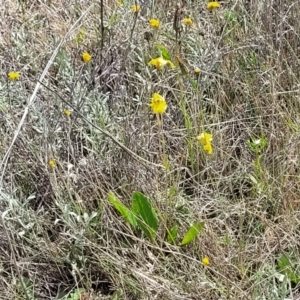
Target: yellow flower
{"type": "Point", "coordinates": [67, 113]}
{"type": "Point", "coordinates": [208, 148]}
{"type": "Point", "coordinates": [160, 62]}
{"type": "Point", "coordinates": [187, 21]}
{"type": "Point", "coordinates": [119, 3]}
{"type": "Point", "coordinates": [205, 261]}
{"type": "Point", "coordinates": [158, 104]}
{"type": "Point", "coordinates": [213, 5]}
{"type": "Point", "coordinates": [52, 163]}
{"type": "Point", "coordinates": [135, 8]}
{"type": "Point", "coordinates": [197, 70]}
{"type": "Point", "coordinates": [86, 57]}
{"type": "Point", "coordinates": [205, 138]}
{"type": "Point", "coordinates": [154, 23]}
{"type": "Point", "coordinates": [13, 75]}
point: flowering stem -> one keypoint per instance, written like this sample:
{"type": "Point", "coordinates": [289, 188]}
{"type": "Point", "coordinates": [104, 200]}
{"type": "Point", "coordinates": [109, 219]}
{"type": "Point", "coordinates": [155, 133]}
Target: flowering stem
{"type": "Point", "coordinates": [162, 142]}
{"type": "Point", "coordinates": [102, 29]}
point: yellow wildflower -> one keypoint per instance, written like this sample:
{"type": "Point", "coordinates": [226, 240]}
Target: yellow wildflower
{"type": "Point", "coordinates": [86, 57]}
{"type": "Point", "coordinates": [160, 62]}
{"type": "Point", "coordinates": [13, 75]}
{"type": "Point", "coordinates": [158, 104]}
{"type": "Point", "coordinates": [52, 163]}
{"type": "Point", "coordinates": [135, 8]}
{"type": "Point", "coordinates": [205, 261]}
{"type": "Point", "coordinates": [187, 21]}
{"type": "Point", "coordinates": [154, 23]}
{"type": "Point", "coordinates": [119, 3]}
{"type": "Point", "coordinates": [213, 5]}
{"type": "Point", "coordinates": [67, 112]}
{"type": "Point", "coordinates": [197, 70]}
{"type": "Point", "coordinates": [205, 138]}
{"type": "Point", "coordinates": [208, 148]}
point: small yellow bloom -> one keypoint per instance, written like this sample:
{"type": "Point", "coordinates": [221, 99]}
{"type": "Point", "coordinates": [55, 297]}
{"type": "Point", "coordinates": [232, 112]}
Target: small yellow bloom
{"type": "Point", "coordinates": [213, 5]}
{"type": "Point", "coordinates": [86, 57]}
{"type": "Point", "coordinates": [187, 21]}
{"type": "Point", "coordinates": [13, 75]}
{"type": "Point", "coordinates": [135, 8]}
{"type": "Point", "coordinates": [154, 23]}
{"type": "Point", "coordinates": [208, 148]}
{"type": "Point", "coordinates": [197, 70]}
{"type": "Point", "coordinates": [67, 112]}
{"type": "Point", "coordinates": [205, 261]}
{"type": "Point", "coordinates": [52, 163]}
{"type": "Point", "coordinates": [160, 62]}
{"type": "Point", "coordinates": [119, 3]}
{"type": "Point", "coordinates": [205, 138]}
{"type": "Point", "coordinates": [158, 104]}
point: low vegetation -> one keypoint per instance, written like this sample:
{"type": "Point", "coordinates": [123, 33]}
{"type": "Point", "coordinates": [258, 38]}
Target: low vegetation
{"type": "Point", "coordinates": [149, 150]}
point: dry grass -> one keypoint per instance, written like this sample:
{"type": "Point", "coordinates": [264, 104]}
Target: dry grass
{"type": "Point", "coordinates": [59, 234]}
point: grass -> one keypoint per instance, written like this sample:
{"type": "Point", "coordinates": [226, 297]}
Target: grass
{"type": "Point", "coordinates": [61, 236]}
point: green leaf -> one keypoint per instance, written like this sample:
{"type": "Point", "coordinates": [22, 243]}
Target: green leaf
{"type": "Point", "coordinates": [194, 84]}
{"type": "Point", "coordinates": [230, 16]}
{"type": "Point", "coordinates": [164, 52]}
{"type": "Point", "coordinates": [286, 267]}
{"type": "Point", "coordinates": [116, 295]}
{"type": "Point", "coordinates": [172, 234]}
{"type": "Point", "coordinates": [122, 209]}
{"type": "Point", "coordinates": [28, 285]}
{"type": "Point", "coordinates": [145, 215]}
{"type": "Point", "coordinates": [192, 233]}
{"type": "Point", "coordinates": [76, 295]}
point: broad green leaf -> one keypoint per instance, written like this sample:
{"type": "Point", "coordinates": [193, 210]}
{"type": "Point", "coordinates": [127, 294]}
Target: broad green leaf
{"type": "Point", "coordinates": [172, 234]}
{"type": "Point", "coordinates": [164, 52]}
{"type": "Point", "coordinates": [286, 267]}
{"type": "Point", "coordinates": [192, 233]}
{"type": "Point", "coordinates": [122, 209]}
{"type": "Point", "coordinates": [145, 215]}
